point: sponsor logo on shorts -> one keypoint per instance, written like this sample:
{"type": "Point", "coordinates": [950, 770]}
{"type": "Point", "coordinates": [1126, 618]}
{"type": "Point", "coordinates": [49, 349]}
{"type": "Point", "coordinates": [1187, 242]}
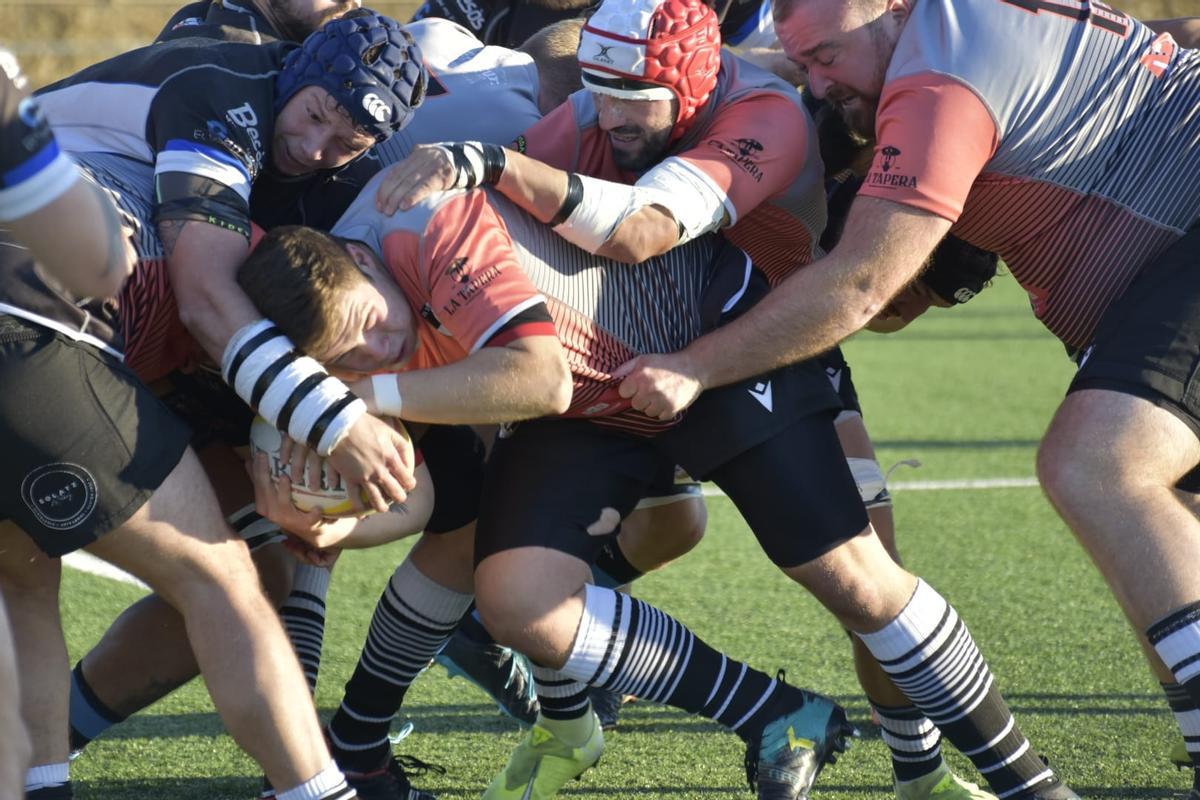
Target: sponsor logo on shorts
{"type": "Point", "coordinates": [762, 393]}
{"type": "Point", "coordinates": [61, 496]}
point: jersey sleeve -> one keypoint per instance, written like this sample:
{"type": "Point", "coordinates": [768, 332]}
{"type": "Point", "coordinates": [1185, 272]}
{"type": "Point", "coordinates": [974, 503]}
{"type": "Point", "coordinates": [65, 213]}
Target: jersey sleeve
{"type": "Point", "coordinates": [476, 287]}
{"type": "Point", "coordinates": [210, 140]}
{"type": "Point", "coordinates": [753, 151]}
{"type": "Point", "coordinates": [934, 136]}
{"type": "Point", "coordinates": [554, 139]}
{"type": "Point", "coordinates": [33, 171]}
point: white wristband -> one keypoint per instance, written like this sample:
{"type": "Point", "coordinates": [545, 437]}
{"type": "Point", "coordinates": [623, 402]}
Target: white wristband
{"type": "Point", "coordinates": [387, 394]}
{"type": "Point", "coordinates": [340, 426]}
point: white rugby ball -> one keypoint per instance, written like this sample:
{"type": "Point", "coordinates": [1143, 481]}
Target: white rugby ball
{"type": "Point", "coordinates": [333, 501]}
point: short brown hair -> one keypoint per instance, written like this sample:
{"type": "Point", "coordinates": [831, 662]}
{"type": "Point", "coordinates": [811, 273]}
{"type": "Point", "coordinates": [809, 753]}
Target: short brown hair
{"type": "Point", "coordinates": [296, 276]}
{"type": "Point", "coordinates": [554, 50]}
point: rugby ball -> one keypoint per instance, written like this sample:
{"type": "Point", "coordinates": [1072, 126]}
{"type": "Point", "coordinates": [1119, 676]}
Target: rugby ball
{"type": "Point", "coordinates": [333, 501]}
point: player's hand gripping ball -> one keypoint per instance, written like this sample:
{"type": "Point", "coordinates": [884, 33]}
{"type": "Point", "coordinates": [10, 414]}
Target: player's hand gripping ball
{"type": "Point", "coordinates": [332, 500]}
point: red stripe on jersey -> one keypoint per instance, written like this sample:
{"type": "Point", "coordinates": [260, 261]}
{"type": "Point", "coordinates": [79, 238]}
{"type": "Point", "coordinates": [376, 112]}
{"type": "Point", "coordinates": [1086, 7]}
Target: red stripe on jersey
{"type": "Point", "coordinates": [509, 335]}
{"type": "Point", "coordinates": [156, 341]}
{"type": "Point", "coordinates": [1073, 253]}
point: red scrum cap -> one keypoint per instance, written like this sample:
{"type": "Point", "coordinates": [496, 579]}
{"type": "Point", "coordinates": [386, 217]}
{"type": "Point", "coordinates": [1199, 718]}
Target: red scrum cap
{"type": "Point", "coordinates": [653, 49]}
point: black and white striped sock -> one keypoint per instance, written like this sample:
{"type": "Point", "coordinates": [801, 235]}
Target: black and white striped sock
{"type": "Point", "coordinates": [560, 697]}
{"type": "Point", "coordinates": [629, 647]}
{"type": "Point", "coordinates": [1176, 639]}
{"type": "Point", "coordinates": [414, 618]}
{"type": "Point", "coordinates": [303, 615]}
{"type": "Point", "coordinates": [1187, 714]}
{"type": "Point", "coordinates": [930, 655]}
{"type": "Point", "coordinates": [915, 742]}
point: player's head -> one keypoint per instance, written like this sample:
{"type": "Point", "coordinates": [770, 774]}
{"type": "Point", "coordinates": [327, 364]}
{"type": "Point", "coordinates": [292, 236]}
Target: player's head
{"type": "Point", "coordinates": [553, 50]}
{"type": "Point", "coordinates": [333, 298]}
{"type": "Point", "coordinates": [665, 53]}
{"type": "Point", "coordinates": [352, 84]}
{"type": "Point", "coordinates": [844, 49]}
{"type": "Point", "coordinates": [296, 19]}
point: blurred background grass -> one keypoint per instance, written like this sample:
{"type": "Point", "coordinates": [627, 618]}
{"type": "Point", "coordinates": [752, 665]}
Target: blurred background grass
{"type": "Point", "coordinates": [53, 38]}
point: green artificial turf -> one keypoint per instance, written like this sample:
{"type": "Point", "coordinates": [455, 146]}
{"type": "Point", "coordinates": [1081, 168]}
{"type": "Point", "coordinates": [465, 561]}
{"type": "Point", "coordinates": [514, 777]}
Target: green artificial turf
{"type": "Point", "coordinates": [968, 392]}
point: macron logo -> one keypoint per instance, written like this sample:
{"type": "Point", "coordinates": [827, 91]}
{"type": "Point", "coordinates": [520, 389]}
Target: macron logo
{"type": "Point", "coordinates": [762, 393]}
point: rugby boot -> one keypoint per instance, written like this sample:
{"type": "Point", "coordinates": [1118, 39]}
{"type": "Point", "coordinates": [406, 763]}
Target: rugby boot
{"type": "Point", "coordinates": [542, 764]}
{"type": "Point", "coordinates": [390, 781]}
{"type": "Point", "coordinates": [784, 762]}
{"type": "Point", "coordinates": [1049, 789]}
{"type": "Point", "coordinates": [607, 706]}
{"type": "Point", "coordinates": [500, 672]}
{"type": "Point", "coordinates": [941, 784]}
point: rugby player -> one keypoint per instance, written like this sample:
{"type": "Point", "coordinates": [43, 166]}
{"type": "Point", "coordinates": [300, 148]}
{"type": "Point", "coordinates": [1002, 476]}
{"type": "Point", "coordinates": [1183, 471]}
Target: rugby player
{"type": "Point", "coordinates": [490, 91]}
{"type": "Point", "coordinates": [1108, 270]}
{"type": "Point", "coordinates": [707, 141]}
{"type": "Point", "coordinates": [182, 158]}
{"type": "Point", "coordinates": [592, 467]}
{"type": "Point", "coordinates": [75, 233]}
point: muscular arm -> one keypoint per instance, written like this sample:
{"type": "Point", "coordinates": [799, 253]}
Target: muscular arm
{"type": "Point", "coordinates": [523, 379]}
{"type": "Point", "coordinates": [536, 187]}
{"type": "Point", "coordinates": [78, 238]}
{"type": "Point", "coordinates": [541, 189]}
{"type": "Point", "coordinates": [883, 248]}
{"type": "Point", "coordinates": [202, 260]}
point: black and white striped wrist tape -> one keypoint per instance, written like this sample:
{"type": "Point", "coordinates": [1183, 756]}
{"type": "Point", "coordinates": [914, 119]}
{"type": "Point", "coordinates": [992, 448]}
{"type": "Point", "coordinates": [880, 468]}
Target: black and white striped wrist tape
{"type": "Point", "coordinates": [290, 390]}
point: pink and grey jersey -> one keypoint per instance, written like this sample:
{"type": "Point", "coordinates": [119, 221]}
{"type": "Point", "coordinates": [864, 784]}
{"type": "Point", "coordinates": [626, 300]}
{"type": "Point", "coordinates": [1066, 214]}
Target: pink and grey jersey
{"type": "Point", "coordinates": [478, 92]}
{"type": "Point", "coordinates": [753, 140]}
{"type": "Point", "coordinates": [476, 269]}
{"type": "Point", "coordinates": [1062, 135]}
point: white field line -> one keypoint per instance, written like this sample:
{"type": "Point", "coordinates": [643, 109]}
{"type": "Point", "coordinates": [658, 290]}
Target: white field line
{"type": "Point", "coordinates": [84, 562]}
{"type": "Point", "coordinates": [936, 486]}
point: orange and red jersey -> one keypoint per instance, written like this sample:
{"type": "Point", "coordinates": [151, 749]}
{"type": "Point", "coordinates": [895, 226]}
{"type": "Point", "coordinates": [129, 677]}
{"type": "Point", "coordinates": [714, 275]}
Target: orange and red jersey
{"type": "Point", "coordinates": [753, 140]}
{"type": "Point", "coordinates": [1075, 156]}
{"type": "Point", "coordinates": [478, 272]}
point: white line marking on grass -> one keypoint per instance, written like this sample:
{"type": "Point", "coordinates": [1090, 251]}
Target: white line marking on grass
{"type": "Point", "coordinates": [86, 562]}
{"type": "Point", "coordinates": [936, 486]}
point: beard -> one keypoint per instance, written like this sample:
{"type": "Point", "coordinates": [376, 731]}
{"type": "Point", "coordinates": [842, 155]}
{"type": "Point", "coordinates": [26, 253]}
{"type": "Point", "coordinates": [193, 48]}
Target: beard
{"type": "Point", "coordinates": [858, 109]}
{"type": "Point", "coordinates": [296, 26]}
{"type": "Point", "coordinates": [649, 152]}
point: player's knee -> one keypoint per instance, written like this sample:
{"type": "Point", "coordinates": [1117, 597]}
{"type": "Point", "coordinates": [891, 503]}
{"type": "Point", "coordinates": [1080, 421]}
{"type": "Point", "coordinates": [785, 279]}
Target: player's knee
{"type": "Point", "coordinates": [858, 582]}
{"type": "Point", "coordinates": [1072, 473]}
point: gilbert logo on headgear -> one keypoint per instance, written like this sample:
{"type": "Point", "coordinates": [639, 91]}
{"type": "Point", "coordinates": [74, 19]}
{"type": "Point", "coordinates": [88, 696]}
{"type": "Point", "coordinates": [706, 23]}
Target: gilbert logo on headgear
{"type": "Point", "coordinates": [376, 107]}
{"type": "Point", "coordinates": [602, 53]}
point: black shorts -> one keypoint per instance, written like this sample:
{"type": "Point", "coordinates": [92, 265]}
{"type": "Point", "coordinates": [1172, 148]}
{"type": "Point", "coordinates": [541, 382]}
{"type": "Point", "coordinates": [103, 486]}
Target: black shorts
{"type": "Point", "coordinates": [838, 372]}
{"type": "Point", "coordinates": [86, 443]}
{"type": "Point", "coordinates": [550, 482]}
{"type": "Point", "coordinates": [1148, 342]}
{"type": "Point", "coordinates": [454, 455]}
